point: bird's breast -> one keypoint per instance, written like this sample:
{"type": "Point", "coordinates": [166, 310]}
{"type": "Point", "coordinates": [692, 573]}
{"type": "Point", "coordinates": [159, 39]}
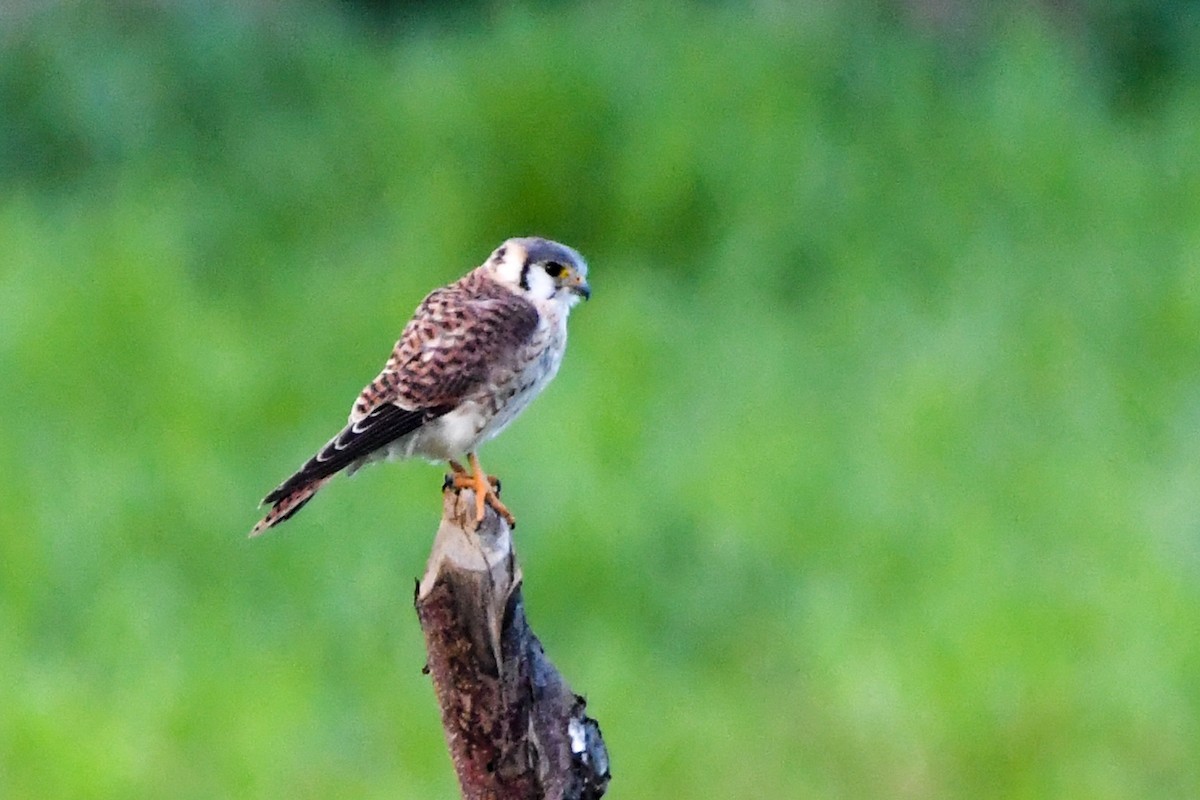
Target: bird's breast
{"type": "Point", "coordinates": [515, 387]}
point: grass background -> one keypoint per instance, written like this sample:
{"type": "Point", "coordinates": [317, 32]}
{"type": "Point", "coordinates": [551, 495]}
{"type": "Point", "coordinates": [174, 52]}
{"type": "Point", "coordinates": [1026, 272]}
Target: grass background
{"type": "Point", "coordinates": [872, 470]}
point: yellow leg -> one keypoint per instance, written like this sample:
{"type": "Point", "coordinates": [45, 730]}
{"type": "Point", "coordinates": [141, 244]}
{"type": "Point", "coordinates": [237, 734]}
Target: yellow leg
{"type": "Point", "coordinates": [483, 485]}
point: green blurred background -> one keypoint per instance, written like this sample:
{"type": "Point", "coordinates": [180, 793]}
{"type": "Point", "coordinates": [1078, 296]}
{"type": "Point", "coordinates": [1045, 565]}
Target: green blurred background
{"type": "Point", "coordinates": [872, 470]}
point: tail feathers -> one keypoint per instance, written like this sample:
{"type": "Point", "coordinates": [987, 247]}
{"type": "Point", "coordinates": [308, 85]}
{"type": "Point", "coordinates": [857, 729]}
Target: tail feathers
{"type": "Point", "coordinates": [286, 506]}
{"type": "Point", "coordinates": [356, 444]}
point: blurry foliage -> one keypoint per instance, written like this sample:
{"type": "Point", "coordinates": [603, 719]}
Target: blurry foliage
{"type": "Point", "coordinates": [871, 471]}
{"type": "Point", "coordinates": [1138, 48]}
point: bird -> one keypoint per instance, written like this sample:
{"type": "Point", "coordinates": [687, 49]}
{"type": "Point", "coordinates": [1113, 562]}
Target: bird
{"type": "Point", "coordinates": [474, 355]}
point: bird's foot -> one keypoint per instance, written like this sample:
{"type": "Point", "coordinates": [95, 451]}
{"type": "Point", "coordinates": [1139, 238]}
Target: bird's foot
{"type": "Point", "coordinates": [459, 472]}
{"type": "Point", "coordinates": [486, 488]}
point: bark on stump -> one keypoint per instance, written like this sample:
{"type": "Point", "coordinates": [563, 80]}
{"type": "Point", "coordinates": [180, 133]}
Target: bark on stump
{"type": "Point", "coordinates": [513, 726]}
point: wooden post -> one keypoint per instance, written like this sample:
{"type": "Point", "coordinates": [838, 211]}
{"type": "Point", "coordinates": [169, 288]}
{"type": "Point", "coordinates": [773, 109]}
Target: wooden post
{"type": "Point", "coordinates": [513, 726]}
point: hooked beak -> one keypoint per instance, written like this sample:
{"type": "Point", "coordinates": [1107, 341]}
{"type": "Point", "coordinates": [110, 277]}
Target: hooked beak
{"type": "Point", "coordinates": [579, 286]}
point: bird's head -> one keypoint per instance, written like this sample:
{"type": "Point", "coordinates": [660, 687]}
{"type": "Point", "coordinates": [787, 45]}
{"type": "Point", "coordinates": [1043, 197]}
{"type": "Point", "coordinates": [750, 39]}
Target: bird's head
{"type": "Point", "coordinates": [541, 270]}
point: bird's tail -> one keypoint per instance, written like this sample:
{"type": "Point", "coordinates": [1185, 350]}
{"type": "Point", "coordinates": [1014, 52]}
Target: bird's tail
{"type": "Point", "coordinates": [357, 444]}
{"type": "Point", "coordinates": [286, 505]}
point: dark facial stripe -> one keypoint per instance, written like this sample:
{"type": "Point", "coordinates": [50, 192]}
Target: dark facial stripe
{"type": "Point", "coordinates": [525, 276]}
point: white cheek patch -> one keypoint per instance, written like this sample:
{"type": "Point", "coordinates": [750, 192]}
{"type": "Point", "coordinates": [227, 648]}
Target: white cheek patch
{"type": "Point", "coordinates": [540, 284]}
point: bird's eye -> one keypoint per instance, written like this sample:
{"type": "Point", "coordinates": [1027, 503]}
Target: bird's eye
{"type": "Point", "coordinates": [554, 269]}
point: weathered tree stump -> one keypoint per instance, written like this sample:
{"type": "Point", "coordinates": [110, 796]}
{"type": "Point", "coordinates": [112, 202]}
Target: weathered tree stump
{"type": "Point", "coordinates": [513, 726]}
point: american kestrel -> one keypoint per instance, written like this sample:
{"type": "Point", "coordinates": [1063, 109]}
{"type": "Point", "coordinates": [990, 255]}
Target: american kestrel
{"type": "Point", "coordinates": [470, 360]}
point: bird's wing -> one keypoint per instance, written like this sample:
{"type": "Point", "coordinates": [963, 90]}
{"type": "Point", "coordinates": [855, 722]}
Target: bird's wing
{"type": "Point", "coordinates": [457, 335]}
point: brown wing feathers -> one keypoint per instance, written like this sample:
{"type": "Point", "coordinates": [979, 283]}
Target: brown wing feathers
{"type": "Point", "coordinates": [450, 344]}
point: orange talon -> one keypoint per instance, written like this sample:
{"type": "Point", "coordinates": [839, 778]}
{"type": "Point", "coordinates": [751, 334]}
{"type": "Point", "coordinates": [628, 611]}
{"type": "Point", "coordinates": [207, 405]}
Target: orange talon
{"type": "Point", "coordinates": [485, 487]}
